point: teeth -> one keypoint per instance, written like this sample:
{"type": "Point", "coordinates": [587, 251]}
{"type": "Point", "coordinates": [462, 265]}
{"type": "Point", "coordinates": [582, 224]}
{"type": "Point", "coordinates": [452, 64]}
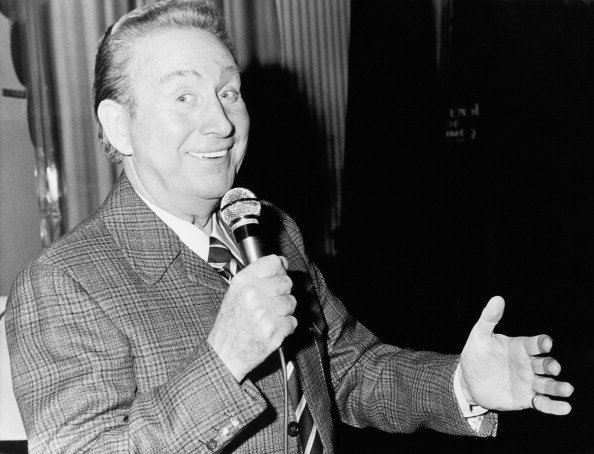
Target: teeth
{"type": "Point", "coordinates": [217, 154]}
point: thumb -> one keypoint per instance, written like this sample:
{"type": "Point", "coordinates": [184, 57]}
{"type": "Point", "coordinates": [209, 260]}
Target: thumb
{"type": "Point", "coordinates": [491, 315]}
{"type": "Point", "coordinates": [267, 266]}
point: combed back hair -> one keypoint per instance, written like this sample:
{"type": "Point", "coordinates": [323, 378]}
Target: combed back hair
{"type": "Point", "coordinates": [112, 71]}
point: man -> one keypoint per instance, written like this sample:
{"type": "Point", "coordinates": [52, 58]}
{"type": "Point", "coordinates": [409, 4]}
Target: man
{"type": "Point", "coordinates": [124, 339]}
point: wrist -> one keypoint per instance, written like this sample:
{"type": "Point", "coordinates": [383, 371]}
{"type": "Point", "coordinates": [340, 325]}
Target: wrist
{"type": "Point", "coordinates": [464, 386]}
{"type": "Point", "coordinates": [235, 367]}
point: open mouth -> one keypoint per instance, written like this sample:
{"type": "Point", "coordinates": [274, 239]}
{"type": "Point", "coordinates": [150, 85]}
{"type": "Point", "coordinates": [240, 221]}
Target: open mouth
{"type": "Point", "coordinates": [211, 155]}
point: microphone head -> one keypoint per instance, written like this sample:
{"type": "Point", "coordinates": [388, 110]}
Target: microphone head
{"type": "Point", "coordinates": [239, 203]}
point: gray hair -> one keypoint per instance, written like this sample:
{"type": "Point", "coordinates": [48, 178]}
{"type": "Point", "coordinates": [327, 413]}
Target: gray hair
{"type": "Point", "coordinates": [112, 75]}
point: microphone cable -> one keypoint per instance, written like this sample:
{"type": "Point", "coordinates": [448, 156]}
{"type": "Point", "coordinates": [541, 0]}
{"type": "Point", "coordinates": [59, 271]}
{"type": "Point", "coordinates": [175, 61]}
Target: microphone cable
{"type": "Point", "coordinates": [286, 399]}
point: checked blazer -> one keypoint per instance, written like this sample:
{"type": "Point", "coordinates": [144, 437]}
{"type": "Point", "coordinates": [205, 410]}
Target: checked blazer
{"type": "Point", "coordinates": [107, 338]}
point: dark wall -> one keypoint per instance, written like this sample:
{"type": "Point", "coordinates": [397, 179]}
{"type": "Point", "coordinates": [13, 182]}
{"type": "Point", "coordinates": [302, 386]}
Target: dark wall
{"type": "Point", "coordinates": [285, 159]}
{"type": "Point", "coordinates": [506, 208]}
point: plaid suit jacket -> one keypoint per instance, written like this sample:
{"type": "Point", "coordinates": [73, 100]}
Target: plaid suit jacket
{"type": "Point", "coordinates": [107, 338]}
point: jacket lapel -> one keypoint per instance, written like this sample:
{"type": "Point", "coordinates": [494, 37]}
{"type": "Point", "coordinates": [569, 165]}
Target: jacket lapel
{"type": "Point", "coordinates": [200, 272]}
{"type": "Point", "coordinates": [147, 243]}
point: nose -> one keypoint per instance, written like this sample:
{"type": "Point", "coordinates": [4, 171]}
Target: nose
{"type": "Point", "coordinates": [214, 119]}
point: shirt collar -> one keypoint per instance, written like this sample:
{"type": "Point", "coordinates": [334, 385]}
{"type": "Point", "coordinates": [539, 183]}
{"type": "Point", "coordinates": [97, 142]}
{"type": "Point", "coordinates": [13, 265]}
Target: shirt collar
{"type": "Point", "coordinates": [196, 240]}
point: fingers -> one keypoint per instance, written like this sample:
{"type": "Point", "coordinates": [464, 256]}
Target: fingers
{"type": "Point", "coordinates": [286, 328]}
{"type": "Point", "coordinates": [285, 262]}
{"type": "Point", "coordinates": [267, 266]}
{"type": "Point", "coordinates": [266, 292]}
{"type": "Point", "coordinates": [267, 275]}
{"type": "Point", "coordinates": [550, 406]}
{"type": "Point", "coordinates": [278, 322]}
{"type": "Point", "coordinates": [283, 305]}
{"type": "Point", "coordinates": [491, 315]}
{"type": "Point", "coordinates": [552, 387]}
{"type": "Point", "coordinates": [546, 366]}
{"type": "Point", "coordinates": [278, 285]}
{"type": "Point", "coordinates": [272, 296]}
{"type": "Point", "coordinates": [536, 345]}
{"type": "Point", "coordinates": [279, 331]}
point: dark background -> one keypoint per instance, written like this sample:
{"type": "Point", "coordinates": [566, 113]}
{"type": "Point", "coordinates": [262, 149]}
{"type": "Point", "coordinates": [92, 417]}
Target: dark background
{"type": "Point", "coordinates": [433, 226]}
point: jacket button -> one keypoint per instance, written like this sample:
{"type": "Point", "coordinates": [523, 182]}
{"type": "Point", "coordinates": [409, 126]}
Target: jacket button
{"type": "Point", "coordinates": [293, 429]}
{"type": "Point", "coordinates": [212, 445]}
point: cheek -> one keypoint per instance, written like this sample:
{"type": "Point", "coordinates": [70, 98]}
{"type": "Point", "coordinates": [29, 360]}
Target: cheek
{"type": "Point", "coordinates": [242, 120]}
{"type": "Point", "coordinates": [243, 129]}
{"type": "Point", "coordinates": [162, 133]}
{"type": "Point", "coordinates": [238, 115]}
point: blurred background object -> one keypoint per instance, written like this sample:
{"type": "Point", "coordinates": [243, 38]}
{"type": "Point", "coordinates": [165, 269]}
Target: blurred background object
{"type": "Point", "coordinates": [19, 215]}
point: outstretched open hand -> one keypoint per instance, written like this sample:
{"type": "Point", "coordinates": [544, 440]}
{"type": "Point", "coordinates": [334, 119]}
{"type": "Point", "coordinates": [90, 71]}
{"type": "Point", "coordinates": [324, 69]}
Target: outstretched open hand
{"type": "Point", "coordinates": [506, 373]}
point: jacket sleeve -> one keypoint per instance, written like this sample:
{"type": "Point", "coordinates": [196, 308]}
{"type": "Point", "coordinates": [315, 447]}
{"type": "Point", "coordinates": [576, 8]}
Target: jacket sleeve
{"type": "Point", "coordinates": [383, 386]}
{"type": "Point", "coordinates": [75, 384]}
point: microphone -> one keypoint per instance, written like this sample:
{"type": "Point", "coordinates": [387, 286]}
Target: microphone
{"type": "Point", "coordinates": [240, 210]}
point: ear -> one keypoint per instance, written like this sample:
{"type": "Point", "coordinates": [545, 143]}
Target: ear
{"type": "Point", "coordinates": [115, 121]}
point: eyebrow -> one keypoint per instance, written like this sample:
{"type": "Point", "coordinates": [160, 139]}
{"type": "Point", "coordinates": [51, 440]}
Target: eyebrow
{"type": "Point", "coordinates": [231, 70]}
{"type": "Point", "coordinates": [226, 72]}
{"type": "Point", "coordinates": [179, 73]}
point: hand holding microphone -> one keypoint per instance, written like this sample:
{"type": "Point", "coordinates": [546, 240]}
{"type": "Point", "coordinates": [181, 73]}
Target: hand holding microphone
{"type": "Point", "coordinates": [256, 313]}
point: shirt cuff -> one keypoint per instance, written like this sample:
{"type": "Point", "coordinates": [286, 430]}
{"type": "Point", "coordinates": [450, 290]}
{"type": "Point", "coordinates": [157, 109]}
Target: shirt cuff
{"type": "Point", "coordinates": [472, 413]}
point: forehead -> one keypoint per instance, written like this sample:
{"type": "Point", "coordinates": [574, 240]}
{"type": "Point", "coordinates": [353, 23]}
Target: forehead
{"type": "Point", "coordinates": [164, 53]}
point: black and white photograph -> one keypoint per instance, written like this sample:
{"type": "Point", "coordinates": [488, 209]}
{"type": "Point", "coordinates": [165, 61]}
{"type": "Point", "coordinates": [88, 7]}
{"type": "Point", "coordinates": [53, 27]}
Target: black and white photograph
{"type": "Point", "coordinates": [296, 226]}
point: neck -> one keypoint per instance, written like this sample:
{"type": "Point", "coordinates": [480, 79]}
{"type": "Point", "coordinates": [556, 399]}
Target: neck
{"type": "Point", "coordinates": [204, 224]}
{"type": "Point", "coordinates": [201, 216]}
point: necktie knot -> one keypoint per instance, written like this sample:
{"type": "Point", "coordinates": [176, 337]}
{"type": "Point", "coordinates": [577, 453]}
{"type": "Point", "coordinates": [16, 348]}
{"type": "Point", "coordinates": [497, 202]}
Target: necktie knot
{"type": "Point", "coordinates": [222, 260]}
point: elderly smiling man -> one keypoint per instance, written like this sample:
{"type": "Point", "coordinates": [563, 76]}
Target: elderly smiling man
{"type": "Point", "coordinates": [123, 338]}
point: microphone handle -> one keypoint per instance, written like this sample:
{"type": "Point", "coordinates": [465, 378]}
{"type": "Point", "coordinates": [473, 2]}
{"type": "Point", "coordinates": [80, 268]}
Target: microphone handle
{"type": "Point", "coordinates": [251, 249]}
{"type": "Point", "coordinates": [247, 235]}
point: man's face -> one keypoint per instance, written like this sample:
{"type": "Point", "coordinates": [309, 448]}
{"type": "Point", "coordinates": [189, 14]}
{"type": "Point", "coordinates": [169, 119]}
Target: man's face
{"type": "Point", "coordinates": [190, 128]}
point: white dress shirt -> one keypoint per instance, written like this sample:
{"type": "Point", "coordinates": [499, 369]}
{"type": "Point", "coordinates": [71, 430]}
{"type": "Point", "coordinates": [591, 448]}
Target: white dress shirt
{"type": "Point", "coordinates": [192, 236]}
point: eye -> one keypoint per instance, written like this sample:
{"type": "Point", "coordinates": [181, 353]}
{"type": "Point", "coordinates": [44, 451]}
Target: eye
{"type": "Point", "coordinates": [186, 98]}
{"type": "Point", "coordinates": [230, 95]}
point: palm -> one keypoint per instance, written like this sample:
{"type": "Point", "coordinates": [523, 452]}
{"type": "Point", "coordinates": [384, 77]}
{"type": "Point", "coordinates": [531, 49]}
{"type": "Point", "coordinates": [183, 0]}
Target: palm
{"type": "Point", "coordinates": [502, 372]}
{"type": "Point", "coordinates": [505, 373]}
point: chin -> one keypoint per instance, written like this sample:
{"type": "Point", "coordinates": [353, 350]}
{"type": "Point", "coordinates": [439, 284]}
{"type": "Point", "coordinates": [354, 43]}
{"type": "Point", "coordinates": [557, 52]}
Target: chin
{"type": "Point", "coordinates": [215, 191]}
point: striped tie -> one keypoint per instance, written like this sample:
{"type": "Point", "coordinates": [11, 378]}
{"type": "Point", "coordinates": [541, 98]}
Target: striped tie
{"type": "Point", "coordinates": [221, 259]}
{"type": "Point", "coordinates": [308, 431]}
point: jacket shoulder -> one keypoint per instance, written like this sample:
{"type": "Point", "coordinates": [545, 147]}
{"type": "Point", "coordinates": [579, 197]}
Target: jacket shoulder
{"type": "Point", "coordinates": [88, 239]}
{"type": "Point", "coordinates": [87, 254]}
{"type": "Point", "coordinates": [278, 224]}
